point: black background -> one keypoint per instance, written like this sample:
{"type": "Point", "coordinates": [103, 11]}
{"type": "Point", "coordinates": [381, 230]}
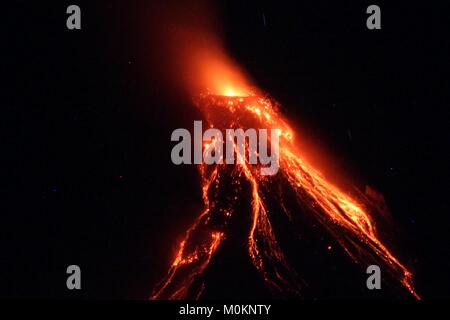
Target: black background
{"type": "Point", "coordinates": [87, 177]}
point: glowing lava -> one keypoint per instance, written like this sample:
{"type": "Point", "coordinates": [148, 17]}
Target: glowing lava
{"type": "Point", "coordinates": [349, 218]}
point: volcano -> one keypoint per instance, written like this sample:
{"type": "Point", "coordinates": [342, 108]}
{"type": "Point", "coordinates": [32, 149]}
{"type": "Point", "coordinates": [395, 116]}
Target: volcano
{"type": "Point", "coordinates": [240, 202]}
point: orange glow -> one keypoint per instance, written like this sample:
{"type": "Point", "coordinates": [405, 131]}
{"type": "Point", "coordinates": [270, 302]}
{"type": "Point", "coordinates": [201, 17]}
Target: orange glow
{"type": "Point", "coordinates": [232, 92]}
{"type": "Point", "coordinates": [193, 56]}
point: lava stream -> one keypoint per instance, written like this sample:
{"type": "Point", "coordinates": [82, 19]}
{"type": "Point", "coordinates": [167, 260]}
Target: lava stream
{"type": "Point", "coordinates": [348, 218]}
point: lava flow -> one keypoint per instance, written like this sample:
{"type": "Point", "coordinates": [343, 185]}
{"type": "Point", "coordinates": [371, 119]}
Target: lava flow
{"type": "Point", "coordinates": [196, 59]}
{"type": "Point", "coordinates": [348, 218]}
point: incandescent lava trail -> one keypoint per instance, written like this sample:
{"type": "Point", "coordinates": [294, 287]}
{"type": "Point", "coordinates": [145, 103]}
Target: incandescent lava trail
{"type": "Point", "coordinates": [230, 102]}
{"type": "Point", "coordinates": [347, 217]}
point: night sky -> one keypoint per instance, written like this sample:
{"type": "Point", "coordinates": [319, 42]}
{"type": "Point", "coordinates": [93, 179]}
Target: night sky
{"type": "Point", "coordinates": [87, 177]}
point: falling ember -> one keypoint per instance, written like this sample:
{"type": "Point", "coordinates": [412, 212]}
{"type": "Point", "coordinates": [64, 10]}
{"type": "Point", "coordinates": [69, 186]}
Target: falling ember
{"type": "Point", "coordinates": [228, 102]}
